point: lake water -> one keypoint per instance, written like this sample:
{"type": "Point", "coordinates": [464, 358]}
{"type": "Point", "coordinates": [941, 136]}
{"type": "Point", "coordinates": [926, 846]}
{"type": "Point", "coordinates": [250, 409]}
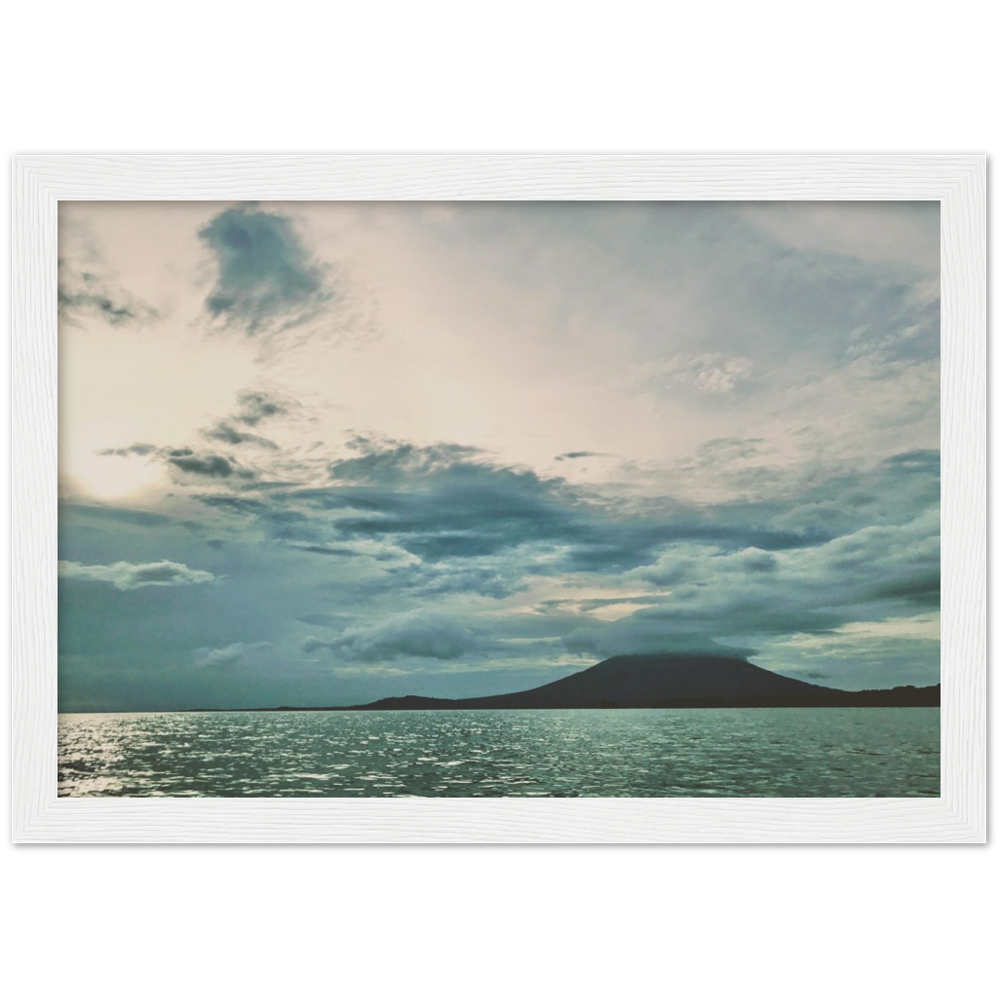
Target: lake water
{"type": "Point", "coordinates": [654, 752]}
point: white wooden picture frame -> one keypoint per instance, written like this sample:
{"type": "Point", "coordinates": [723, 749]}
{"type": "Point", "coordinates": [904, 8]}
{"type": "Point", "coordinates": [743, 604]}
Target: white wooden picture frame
{"type": "Point", "coordinates": [957, 181]}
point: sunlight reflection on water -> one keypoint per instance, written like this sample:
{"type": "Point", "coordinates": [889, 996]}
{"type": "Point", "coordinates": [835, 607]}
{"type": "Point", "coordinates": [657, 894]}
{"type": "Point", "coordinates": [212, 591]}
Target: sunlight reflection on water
{"type": "Point", "coordinates": [656, 752]}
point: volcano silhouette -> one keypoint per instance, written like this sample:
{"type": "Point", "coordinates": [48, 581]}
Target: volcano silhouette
{"type": "Point", "coordinates": [671, 681]}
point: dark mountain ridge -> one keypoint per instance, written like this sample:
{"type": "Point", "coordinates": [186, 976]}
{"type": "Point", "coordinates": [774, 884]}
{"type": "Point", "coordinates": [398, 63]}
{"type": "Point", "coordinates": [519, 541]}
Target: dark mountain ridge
{"type": "Point", "coordinates": [670, 681]}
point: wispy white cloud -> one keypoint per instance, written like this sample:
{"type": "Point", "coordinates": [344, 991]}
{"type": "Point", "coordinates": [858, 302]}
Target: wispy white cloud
{"type": "Point", "coordinates": [132, 576]}
{"type": "Point", "coordinates": [712, 373]}
{"type": "Point", "coordinates": [226, 656]}
{"type": "Point", "coordinates": [878, 232]}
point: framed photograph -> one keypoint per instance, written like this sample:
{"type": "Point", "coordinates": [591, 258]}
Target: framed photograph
{"type": "Point", "coordinates": [521, 498]}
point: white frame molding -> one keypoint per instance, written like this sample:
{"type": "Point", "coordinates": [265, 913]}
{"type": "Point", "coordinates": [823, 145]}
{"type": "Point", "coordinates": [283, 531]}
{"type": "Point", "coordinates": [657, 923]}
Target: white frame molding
{"type": "Point", "coordinates": [959, 182]}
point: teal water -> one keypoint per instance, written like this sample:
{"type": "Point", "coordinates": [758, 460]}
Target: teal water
{"type": "Point", "coordinates": [655, 752]}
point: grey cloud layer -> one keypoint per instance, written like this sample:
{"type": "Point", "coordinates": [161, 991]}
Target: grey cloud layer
{"type": "Point", "coordinates": [395, 560]}
{"type": "Point", "coordinates": [851, 548]}
{"type": "Point", "coordinates": [878, 571]}
{"type": "Point", "coordinates": [420, 634]}
{"type": "Point", "coordinates": [457, 504]}
{"type": "Point", "coordinates": [266, 278]}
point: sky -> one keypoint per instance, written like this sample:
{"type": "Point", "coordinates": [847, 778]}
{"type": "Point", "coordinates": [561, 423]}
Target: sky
{"type": "Point", "coordinates": [323, 453]}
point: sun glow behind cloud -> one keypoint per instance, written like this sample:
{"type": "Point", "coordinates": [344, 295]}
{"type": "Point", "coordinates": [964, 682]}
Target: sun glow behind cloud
{"type": "Point", "coordinates": [107, 476]}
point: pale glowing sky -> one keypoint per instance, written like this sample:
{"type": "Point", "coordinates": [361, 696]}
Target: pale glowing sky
{"type": "Point", "coordinates": [321, 453]}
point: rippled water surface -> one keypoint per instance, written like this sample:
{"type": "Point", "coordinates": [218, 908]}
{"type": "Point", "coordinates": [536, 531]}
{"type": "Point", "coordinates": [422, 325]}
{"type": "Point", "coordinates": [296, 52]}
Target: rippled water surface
{"type": "Point", "coordinates": [655, 752]}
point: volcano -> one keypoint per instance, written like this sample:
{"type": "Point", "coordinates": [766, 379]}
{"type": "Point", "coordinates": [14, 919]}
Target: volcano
{"type": "Point", "coordinates": [671, 681]}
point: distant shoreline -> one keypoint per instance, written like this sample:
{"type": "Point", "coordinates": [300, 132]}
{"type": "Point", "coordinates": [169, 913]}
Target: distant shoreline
{"type": "Point", "coordinates": [658, 683]}
{"type": "Point", "coordinates": [463, 708]}
{"type": "Point", "coordinates": [646, 681]}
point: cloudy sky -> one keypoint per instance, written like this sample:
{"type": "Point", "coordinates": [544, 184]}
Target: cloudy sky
{"type": "Point", "coordinates": [322, 453]}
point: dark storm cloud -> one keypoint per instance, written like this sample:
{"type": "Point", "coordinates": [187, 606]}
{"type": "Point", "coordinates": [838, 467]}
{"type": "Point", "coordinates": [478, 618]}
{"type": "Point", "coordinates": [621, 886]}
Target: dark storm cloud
{"type": "Point", "coordinates": [627, 545]}
{"type": "Point", "coordinates": [447, 502]}
{"type": "Point", "coordinates": [616, 640]}
{"type": "Point", "coordinates": [578, 454]}
{"type": "Point", "coordinates": [391, 462]}
{"type": "Point", "coordinates": [876, 572]}
{"type": "Point", "coordinates": [471, 526]}
{"type": "Point", "coordinates": [444, 521]}
{"type": "Point", "coordinates": [205, 464]}
{"type": "Point", "coordinates": [442, 501]}
{"type": "Point", "coordinates": [495, 510]}
{"type": "Point", "coordinates": [267, 279]}
{"type": "Point", "coordinates": [228, 434]}
{"type": "Point", "coordinates": [476, 513]}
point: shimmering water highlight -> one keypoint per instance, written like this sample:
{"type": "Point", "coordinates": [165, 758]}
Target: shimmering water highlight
{"type": "Point", "coordinates": [656, 752]}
